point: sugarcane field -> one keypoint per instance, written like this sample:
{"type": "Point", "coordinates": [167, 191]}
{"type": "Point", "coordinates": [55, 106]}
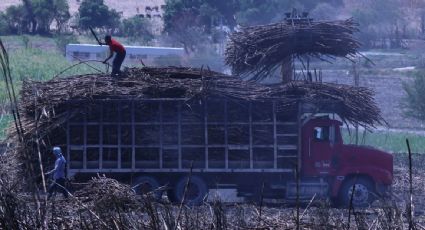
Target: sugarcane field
{"type": "Point", "coordinates": [243, 114]}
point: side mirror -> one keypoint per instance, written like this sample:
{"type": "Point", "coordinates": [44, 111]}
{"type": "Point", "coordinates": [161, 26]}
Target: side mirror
{"type": "Point", "coordinates": [317, 133]}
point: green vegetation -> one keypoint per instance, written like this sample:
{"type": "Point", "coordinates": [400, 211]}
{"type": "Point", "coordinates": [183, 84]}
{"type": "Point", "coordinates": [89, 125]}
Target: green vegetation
{"type": "Point", "coordinates": [5, 121]}
{"type": "Point", "coordinates": [136, 27]}
{"type": "Point", "coordinates": [36, 16]}
{"type": "Point", "coordinates": [394, 142]}
{"type": "Point", "coordinates": [415, 99]}
{"type": "Point", "coordinates": [41, 64]}
{"type": "Point", "coordinates": [94, 13]}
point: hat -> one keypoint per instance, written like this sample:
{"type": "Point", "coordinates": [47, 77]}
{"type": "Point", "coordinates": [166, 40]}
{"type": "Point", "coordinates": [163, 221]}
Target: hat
{"type": "Point", "coordinates": [57, 150]}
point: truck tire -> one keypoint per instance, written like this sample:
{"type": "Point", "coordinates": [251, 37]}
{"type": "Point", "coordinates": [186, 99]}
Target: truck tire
{"type": "Point", "coordinates": [196, 191]}
{"type": "Point", "coordinates": [146, 184]}
{"type": "Point", "coordinates": [171, 195]}
{"type": "Point", "coordinates": [364, 193]}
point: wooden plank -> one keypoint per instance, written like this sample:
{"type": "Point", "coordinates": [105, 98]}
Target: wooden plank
{"type": "Point", "coordinates": [161, 135]}
{"type": "Point", "coordinates": [226, 150]}
{"type": "Point", "coordinates": [179, 120]}
{"type": "Point", "coordinates": [251, 151]}
{"type": "Point", "coordinates": [287, 135]}
{"type": "Point", "coordinates": [85, 146]}
{"type": "Point", "coordinates": [274, 136]}
{"type": "Point", "coordinates": [133, 137]}
{"type": "Point", "coordinates": [287, 147]}
{"type": "Point", "coordinates": [206, 132]}
{"type": "Point", "coordinates": [176, 123]}
{"type": "Point", "coordinates": [101, 138]}
{"type": "Point", "coordinates": [287, 170]}
{"type": "Point", "coordinates": [119, 134]}
{"type": "Point", "coordinates": [68, 144]}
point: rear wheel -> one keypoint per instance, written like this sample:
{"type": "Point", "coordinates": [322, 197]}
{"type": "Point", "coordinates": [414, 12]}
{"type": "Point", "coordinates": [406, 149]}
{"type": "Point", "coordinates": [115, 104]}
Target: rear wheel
{"type": "Point", "coordinates": [364, 193]}
{"type": "Point", "coordinates": [147, 185]}
{"type": "Point", "coordinates": [195, 192]}
{"type": "Point", "coordinates": [171, 194]}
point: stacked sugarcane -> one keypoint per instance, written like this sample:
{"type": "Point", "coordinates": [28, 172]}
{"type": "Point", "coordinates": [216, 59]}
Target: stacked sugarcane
{"type": "Point", "coordinates": [349, 101]}
{"type": "Point", "coordinates": [106, 194]}
{"type": "Point", "coordinates": [259, 50]}
{"type": "Point", "coordinates": [48, 100]}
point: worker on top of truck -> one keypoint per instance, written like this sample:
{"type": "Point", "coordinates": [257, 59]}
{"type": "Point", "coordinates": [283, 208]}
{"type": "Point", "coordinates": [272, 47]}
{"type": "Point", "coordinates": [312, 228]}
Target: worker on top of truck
{"type": "Point", "coordinates": [58, 174]}
{"type": "Point", "coordinates": [118, 48]}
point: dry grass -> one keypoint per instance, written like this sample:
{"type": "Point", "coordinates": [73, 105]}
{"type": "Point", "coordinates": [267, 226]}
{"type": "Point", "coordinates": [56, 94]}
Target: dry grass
{"type": "Point", "coordinates": [21, 210]}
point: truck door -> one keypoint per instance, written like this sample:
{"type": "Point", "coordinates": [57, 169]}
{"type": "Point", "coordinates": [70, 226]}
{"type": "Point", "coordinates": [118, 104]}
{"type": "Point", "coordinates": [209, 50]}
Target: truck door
{"type": "Point", "coordinates": [319, 149]}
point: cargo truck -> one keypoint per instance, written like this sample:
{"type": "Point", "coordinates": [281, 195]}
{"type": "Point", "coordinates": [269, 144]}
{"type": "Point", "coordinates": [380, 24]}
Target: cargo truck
{"type": "Point", "coordinates": [253, 148]}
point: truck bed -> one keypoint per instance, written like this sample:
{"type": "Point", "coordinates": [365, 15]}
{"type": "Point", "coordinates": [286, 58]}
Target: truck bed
{"type": "Point", "coordinates": [176, 135]}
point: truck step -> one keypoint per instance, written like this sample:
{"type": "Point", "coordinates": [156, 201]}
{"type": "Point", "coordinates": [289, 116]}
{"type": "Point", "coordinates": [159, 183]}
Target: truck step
{"type": "Point", "coordinates": [307, 190]}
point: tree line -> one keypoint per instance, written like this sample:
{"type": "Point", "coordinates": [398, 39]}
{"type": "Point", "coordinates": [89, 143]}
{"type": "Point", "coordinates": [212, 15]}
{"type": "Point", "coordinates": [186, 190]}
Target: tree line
{"type": "Point", "coordinates": [47, 17]}
{"type": "Point", "coordinates": [383, 23]}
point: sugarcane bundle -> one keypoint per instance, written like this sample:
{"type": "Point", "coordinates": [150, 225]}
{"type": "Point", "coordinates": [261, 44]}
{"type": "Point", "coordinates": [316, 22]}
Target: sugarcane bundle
{"type": "Point", "coordinates": [259, 50]}
{"type": "Point", "coordinates": [107, 194]}
{"type": "Point", "coordinates": [48, 100]}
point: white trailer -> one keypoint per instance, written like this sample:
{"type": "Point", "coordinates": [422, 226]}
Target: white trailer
{"type": "Point", "coordinates": [84, 52]}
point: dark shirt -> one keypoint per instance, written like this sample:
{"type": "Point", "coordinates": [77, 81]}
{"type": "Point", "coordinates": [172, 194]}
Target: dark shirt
{"type": "Point", "coordinates": [59, 171]}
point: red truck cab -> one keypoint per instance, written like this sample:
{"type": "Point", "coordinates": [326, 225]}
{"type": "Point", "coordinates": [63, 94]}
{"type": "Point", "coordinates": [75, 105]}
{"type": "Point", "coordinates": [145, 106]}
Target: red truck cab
{"type": "Point", "coordinates": [324, 155]}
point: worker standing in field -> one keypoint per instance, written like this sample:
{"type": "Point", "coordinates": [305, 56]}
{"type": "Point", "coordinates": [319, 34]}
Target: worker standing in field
{"type": "Point", "coordinates": [58, 174]}
{"type": "Point", "coordinates": [119, 49]}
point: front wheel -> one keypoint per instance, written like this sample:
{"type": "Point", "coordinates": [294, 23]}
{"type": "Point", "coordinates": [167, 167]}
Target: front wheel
{"type": "Point", "coordinates": [364, 193]}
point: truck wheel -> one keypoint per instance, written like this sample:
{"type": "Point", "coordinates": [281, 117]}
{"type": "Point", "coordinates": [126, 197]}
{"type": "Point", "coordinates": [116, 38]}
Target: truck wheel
{"type": "Point", "coordinates": [171, 195]}
{"type": "Point", "coordinates": [364, 193]}
{"type": "Point", "coordinates": [195, 193]}
{"type": "Point", "coordinates": [145, 184]}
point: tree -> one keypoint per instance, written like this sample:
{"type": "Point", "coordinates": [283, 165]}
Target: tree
{"type": "Point", "coordinates": [94, 13]}
{"type": "Point", "coordinates": [257, 12]}
{"type": "Point", "coordinates": [61, 15]}
{"type": "Point", "coordinates": [136, 27]}
{"type": "Point", "coordinates": [205, 13]}
{"type": "Point", "coordinates": [185, 32]}
{"type": "Point", "coordinates": [29, 14]}
{"type": "Point", "coordinates": [37, 16]}
{"type": "Point", "coordinates": [379, 26]}
{"type": "Point", "coordinates": [415, 99]}
{"type": "Point", "coordinates": [4, 27]}
{"type": "Point", "coordinates": [17, 19]}
{"type": "Point", "coordinates": [48, 11]}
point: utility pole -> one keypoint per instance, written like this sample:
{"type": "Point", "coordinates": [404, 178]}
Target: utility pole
{"type": "Point", "coordinates": [293, 18]}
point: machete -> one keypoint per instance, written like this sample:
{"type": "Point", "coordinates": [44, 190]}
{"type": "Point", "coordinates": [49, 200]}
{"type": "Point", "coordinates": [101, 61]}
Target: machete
{"type": "Point", "coordinates": [94, 34]}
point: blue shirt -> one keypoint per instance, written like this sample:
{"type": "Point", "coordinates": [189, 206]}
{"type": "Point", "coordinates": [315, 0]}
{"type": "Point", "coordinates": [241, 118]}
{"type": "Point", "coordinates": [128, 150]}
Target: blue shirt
{"type": "Point", "coordinates": [59, 171]}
